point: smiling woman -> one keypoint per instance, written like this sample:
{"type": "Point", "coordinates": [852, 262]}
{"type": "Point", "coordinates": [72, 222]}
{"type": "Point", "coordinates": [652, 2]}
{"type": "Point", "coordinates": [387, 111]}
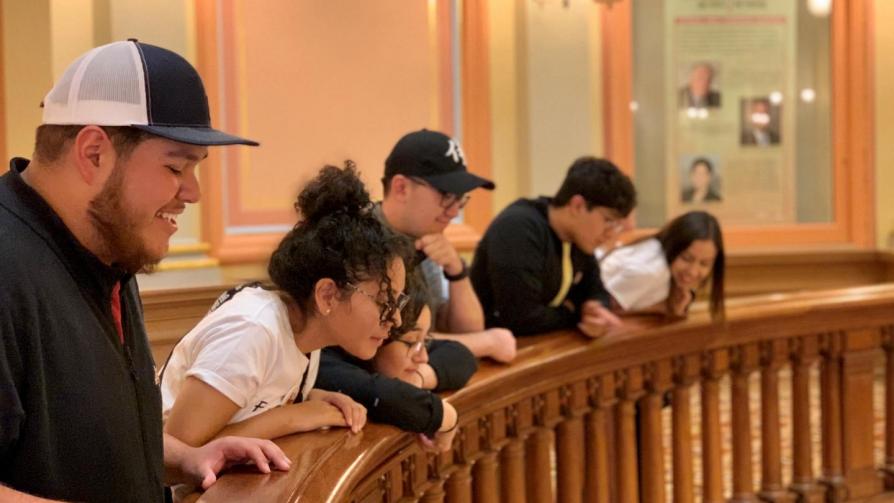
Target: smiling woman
{"type": "Point", "coordinates": [249, 367]}
{"type": "Point", "coordinates": [662, 273]}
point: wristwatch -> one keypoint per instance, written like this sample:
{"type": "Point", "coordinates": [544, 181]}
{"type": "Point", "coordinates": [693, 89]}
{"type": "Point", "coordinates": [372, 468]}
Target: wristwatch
{"type": "Point", "coordinates": [463, 274]}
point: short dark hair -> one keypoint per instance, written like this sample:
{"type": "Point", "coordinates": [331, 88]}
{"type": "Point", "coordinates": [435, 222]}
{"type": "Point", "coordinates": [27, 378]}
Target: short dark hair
{"type": "Point", "coordinates": [51, 140]}
{"type": "Point", "coordinates": [600, 183]}
{"type": "Point", "coordinates": [338, 237]}
{"type": "Point", "coordinates": [676, 236]}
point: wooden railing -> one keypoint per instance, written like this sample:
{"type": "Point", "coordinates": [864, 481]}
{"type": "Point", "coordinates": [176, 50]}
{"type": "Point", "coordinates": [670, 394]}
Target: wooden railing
{"type": "Point", "coordinates": [613, 420]}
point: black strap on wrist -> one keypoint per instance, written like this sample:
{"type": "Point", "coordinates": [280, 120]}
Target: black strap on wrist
{"type": "Point", "coordinates": [461, 275]}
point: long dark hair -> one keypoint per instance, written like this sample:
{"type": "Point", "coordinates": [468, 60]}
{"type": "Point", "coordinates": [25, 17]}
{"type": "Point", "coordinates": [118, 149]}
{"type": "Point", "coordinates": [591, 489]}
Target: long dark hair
{"type": "Point", "coordinates": [678, 234]}
{"type": "Point", "coordinates": [338, 237]}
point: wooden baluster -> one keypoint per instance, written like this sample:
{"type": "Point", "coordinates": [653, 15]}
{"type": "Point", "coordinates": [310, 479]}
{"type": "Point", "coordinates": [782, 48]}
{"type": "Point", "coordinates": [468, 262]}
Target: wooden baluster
{"type": "Point", "coordinates": [773, 355]}
{"type": "Point", "coordinates": [491, 429]}
{"type": "Point", "coordinates": [597, 479]}
{"type": "Point", "coordinates": [686, 370]}
{"type": "Point", "coordinates": [715, 364]}
{"type": "Point", "coordinates": [538, 474]}
{"type": "Point", "coordinates": [486, 480]}
{"type": "Point", "coordinates": [803, 354]}
{"type": "Point", "coordinates": [459, 485]}
{"type": "Point", "coordinates": [651, 445]}
{"type": "Point", "coordinates": [629, 390]}
{"type": "Point", "coordinates": [465, 450]}
{"type": "Point", "coordinates": [744, 361]}
{"type": "Point", "coordinates": [570, 444]}
{"type": "Point", "coordinates": [830, 404]}
{"type": "Point", "coordinates": [512, 470]}
{"type": "Point", "coordinates": [859, 350]}
{"type": "Point", "coordinates": [512, 456]}
{"type": "Point", "coordinates": [434, 494]}
{"type": "Point", "coordinates": [888, 346]}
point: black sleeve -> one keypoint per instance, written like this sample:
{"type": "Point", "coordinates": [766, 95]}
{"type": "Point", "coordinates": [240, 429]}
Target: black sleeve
{"type": "Point", "coordinates": [592, 283]}
{"type": "Point", "coordinates": [515, 265]}
{"type": "Point", "coordinates": [387, 400]}
{"type": "Point", "coordinates": [12, 413]}
{"type": "Point", "coordinates": [453, 363]}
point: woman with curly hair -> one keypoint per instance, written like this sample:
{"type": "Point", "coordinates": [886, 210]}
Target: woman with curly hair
{"type": "Point", "coordinates": [249, 367]}
{"type": "Point", "coordinates": [398, 385]}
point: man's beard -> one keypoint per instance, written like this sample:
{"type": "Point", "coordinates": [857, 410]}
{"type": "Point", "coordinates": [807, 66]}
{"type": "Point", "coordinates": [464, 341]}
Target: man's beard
{"type": "Point", "coordinates": [117, 228]}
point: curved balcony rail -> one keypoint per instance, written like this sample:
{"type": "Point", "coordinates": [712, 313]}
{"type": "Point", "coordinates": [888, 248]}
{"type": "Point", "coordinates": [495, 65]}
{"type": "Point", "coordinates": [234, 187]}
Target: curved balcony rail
{"type": "Point", "coordinates": [776, 403]}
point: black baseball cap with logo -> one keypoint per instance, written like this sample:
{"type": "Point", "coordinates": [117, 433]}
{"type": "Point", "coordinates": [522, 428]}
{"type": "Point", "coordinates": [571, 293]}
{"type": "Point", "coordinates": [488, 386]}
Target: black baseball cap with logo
{"type": "Point", "coordinates": [435, 158]}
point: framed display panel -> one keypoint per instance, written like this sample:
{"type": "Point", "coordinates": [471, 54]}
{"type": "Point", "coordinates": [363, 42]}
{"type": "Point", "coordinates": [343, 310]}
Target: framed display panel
{"type": "Point", "coordinates": [759, 112]}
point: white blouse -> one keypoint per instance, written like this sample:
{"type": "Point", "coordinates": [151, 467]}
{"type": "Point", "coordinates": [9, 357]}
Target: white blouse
{"type": "Point", "coordinates": [637, 276]}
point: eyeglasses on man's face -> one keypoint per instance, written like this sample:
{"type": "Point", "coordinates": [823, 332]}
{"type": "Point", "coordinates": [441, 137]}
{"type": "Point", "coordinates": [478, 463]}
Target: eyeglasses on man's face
{"type": "Point", "coordinates": [613, 221]}
{"type": "Point", "coordinates": [387, 308]}
{"type": "Point", "coordinates": [414, 348]}
{"type": "Point", "coordinates": [448, 199]}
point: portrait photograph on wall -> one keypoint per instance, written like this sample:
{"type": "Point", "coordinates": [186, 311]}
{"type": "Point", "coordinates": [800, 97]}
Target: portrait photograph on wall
{"type": "Point", "coordinates": [701, 85]}
{"type": "Point", "coordinates": [760, 122]}
{"type": "Point", "coordinates": [701, 180]}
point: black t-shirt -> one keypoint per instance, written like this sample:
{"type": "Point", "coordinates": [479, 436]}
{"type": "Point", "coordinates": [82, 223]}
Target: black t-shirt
{"type": "Point", "coordinates": [517, 272]}
{"type": "Point", "coordinates": [80, 414]}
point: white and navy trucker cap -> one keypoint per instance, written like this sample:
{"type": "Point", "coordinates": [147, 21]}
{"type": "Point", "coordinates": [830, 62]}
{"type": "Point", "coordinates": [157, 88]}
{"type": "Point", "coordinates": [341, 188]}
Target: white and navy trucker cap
{"type": "Point", "coordinates": [139, 85]}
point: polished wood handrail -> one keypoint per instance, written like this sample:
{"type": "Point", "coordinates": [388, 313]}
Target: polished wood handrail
{"type": "Point", "coordinates": [581, 399]}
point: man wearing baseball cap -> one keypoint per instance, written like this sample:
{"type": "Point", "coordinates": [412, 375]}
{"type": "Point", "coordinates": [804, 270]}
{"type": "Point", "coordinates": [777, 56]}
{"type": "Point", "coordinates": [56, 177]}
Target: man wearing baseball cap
{"type": "Point", "coordinates": [426, 185]}
{"type": "Point", "coordinates": [113, 168]}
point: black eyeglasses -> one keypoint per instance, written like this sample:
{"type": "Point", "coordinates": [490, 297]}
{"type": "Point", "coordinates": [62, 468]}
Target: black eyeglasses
{"type": "Point", "coordinates": [387, 308]}
{"type": "Point", "coordinates": [448, 199]}
{"type": "Point", "coordinates": [414, 348]}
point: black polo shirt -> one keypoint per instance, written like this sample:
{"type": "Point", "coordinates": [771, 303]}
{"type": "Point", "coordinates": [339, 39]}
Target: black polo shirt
{"type": "Point", "coordinates": [80, 414]}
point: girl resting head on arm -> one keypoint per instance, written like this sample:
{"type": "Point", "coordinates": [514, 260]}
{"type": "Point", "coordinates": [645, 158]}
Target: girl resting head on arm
{"type": "Point", "coordinates": [249, 367]}
{"type": "Point", "coordinates": [397, 385]}
{"type": "Point", "coordinates": [663, 273]}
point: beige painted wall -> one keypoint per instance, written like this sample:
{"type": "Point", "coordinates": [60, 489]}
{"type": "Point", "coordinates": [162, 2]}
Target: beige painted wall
{"type": "Point", "coordinates": [884, 123]}
{"type": "Point", "coordinates": [27, 57]}
{"type": "Point", "coordinates": [546, 99]}
{"type": "Point", "coordinates": [563, 89]}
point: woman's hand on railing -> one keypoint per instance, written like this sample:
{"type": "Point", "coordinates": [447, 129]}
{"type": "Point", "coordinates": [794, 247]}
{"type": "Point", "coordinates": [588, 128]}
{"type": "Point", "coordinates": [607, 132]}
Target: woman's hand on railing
{"type": "Point", "coordinates": [443, 438]}
{"type": "Point", "coordinates": [353, 413]}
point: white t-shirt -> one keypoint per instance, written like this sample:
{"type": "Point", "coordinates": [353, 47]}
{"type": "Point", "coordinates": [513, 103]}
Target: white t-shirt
{"type": "Point", "coordinates": [637, 276]}
{"type": "Point", "coordinates": [246, 350]}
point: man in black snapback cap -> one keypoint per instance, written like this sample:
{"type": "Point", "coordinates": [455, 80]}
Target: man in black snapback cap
{"type": "Point", "coordinates": [426, 185]}
{"type": "Point", "coordinates": [114, 166]}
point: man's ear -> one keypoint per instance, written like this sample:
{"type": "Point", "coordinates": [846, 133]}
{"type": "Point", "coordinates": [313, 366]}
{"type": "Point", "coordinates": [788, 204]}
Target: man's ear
{"type": "Point", "coordinates": [578, 204]}
{"type": "Point", "coordinates": [93, 152]}
{"type": "Point", "coordinates": [325, 295]}
{"type": "Point", "coordinates": [400, 186]}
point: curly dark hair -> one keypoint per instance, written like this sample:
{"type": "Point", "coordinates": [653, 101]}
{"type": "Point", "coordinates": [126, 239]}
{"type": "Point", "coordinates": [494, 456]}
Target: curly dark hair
{"type": "Point", "coordinates": [600, 183]}
{"type": "Point", "coordinates": [338, 236]}
{"type": "Point", "coordinates": [417, 290]}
